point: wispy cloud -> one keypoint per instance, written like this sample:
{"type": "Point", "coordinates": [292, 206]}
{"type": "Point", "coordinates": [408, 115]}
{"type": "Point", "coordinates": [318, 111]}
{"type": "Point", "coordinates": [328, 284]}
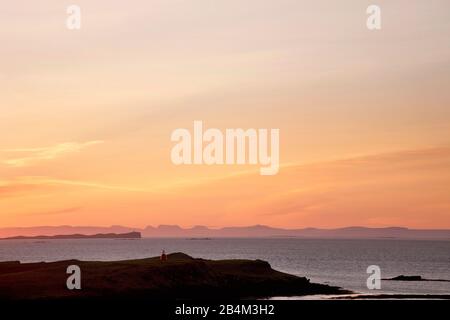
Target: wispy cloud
{"type": "Point", "coordinates": [30, 156]}
{"type": "Point", "coordinates": [56, 212]}
{"type": "Point", "coordinates": [78, 183]}
{"type": "Point", "coordinates": [20, 185]}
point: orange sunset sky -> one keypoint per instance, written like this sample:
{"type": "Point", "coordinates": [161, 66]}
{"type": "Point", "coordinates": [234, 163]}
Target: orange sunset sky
{"type": "Point", "coordinates": [86, 115]}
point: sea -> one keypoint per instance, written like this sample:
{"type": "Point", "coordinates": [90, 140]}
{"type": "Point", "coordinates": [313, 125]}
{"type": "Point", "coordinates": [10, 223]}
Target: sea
{"type": "Point", "coordinates": [340, 262]}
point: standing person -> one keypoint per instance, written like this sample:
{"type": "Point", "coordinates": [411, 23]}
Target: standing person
{"type": "Point", "coordinates": [163, 255]}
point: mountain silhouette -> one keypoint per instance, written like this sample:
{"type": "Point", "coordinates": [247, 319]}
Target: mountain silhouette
{"type": "Point", "coordinates": [237, 232]}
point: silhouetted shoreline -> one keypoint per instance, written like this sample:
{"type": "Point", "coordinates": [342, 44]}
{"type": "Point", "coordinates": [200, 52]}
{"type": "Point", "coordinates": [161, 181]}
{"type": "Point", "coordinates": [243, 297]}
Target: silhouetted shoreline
{"type": "Point", "coordinates": [180, 277]}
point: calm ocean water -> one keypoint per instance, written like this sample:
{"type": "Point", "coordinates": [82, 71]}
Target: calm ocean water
{"type": "Point", "coordinates": [337, 262]}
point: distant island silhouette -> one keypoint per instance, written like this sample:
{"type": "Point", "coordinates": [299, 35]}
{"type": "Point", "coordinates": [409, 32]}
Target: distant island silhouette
{"type": "Point", "coordinates": [236, 232]}
{"type": "Point", "coordinates": [179, 277]}
{"type": "Point", "coordinates": [413, 278]}
{"type": "Point", "coordinates": [129, 235]}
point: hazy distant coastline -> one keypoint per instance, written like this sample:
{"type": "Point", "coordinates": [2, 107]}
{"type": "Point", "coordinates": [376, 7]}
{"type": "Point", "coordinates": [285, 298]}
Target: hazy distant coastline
{"type": "Point", "coordinates": [234, 232]}
{"type": "Point", "coordinates": [129, 235]}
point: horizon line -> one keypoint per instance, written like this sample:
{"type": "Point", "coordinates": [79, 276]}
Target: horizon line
{"type": "Point", "coordinates": [219, 228]}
